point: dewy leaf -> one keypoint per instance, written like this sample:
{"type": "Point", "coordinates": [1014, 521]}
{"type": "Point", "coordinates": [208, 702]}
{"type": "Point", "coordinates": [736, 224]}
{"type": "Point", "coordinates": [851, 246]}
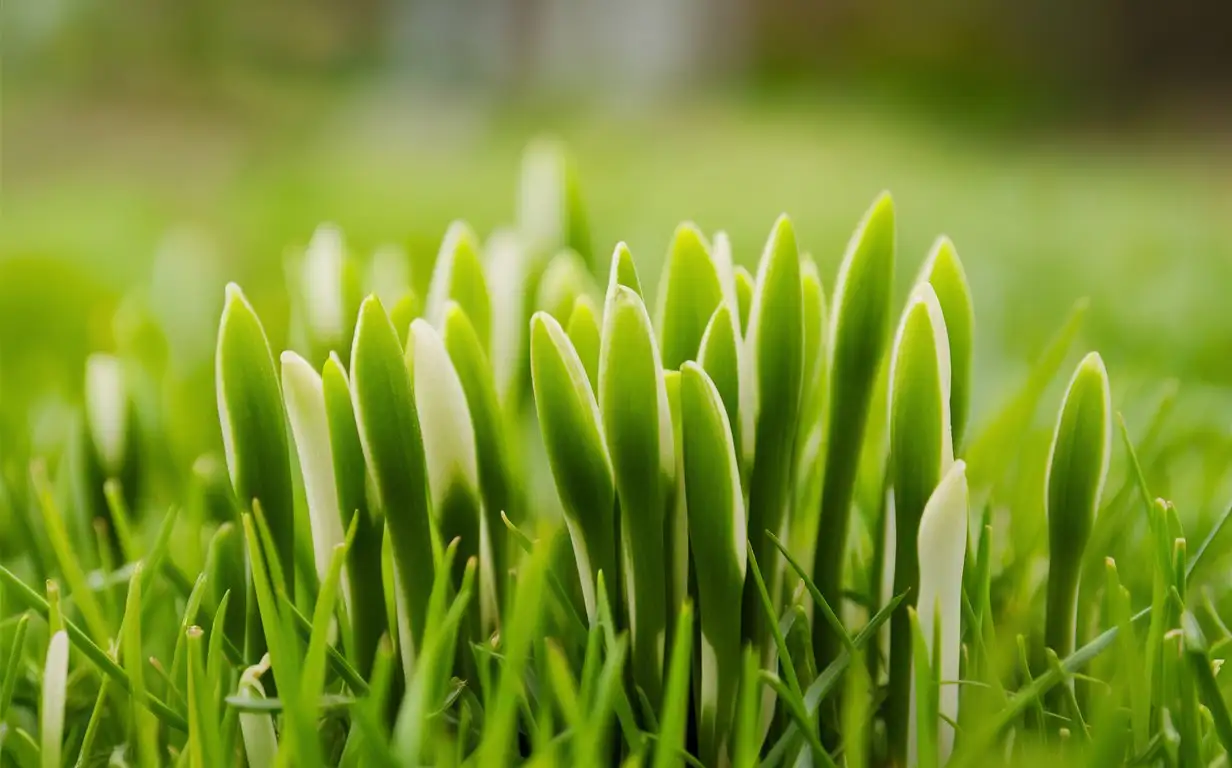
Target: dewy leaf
{"type": "Point", "coordinates": [689, 291]}
{"type": "Point", "coordinates": [586, 335]}
{"type": "Point", "coordinates": [107, 407]}
{"type": "Point", "coordinates": [944, 272]}
{"type": "Point", "coordinates": [921, 453]}
{"type": "Point", "coordinates": [52, 702]}
{"type": "Point", "coordinates": [305, 399]}
{"type": "Point", "coordinates": [717, 529]}
{"type": "Point", "coordinates": [389, 431]}
{"type": "Point", "coordinates": [449, 445]}
{"type": "Point", "coordinates": [565, 278]}
{"type": "Point", "coordinates": [458, 276]}
{"type": "Point", "coordinates": [367, 589]}
{"type": "Point", "coordinates": [942, 544]}
{"type": "Point", "coordinates": [776, 345]}
{"type": "Point", "coordinates": [254, 422]}
{"type": "Point", "coordinates": [637, 424]}
{"type": "Point", "coordinates": [1077, 467]}
{"type": "Point", "coordinates": [570, 425]}
{"type": "Point", "coordinates": [859, 325]}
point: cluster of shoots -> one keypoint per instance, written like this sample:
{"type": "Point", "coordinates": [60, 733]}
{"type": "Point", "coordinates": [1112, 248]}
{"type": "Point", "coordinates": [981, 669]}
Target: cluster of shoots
{"type": "Point", "coordinates": [773, 537]}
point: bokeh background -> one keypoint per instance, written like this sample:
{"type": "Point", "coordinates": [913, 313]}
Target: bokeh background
{"type": "Point", "coordinates": [153, 151]}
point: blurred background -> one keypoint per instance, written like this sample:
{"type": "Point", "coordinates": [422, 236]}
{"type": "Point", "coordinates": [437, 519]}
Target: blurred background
{"type": "Point", "coordinates": [153, 151]}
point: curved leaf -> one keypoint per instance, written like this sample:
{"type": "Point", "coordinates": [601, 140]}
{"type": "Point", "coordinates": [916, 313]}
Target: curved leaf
{"type": "Point", "coordinates": [1077, 468]}
{"type": "Point", "coordinates": [717, 531]}
{"type": "Point", "coordinates": [859, 325]}
{"type": "Point", "coordinates": [584, 332]}
{"type": "Point", "coordinates": [689, 290]}
{"type": "Point", "coordinates": [637, 424]}
{"type": "Point", "coordinates": [570, 426]}
{"type": "Point", "coordinates": [458, 276]}
{"type": "Point", "coordinates": [945, 273]}
{"type": "Point", "coordinates": [389, 432]}
{"type": "Point", "coordinates": [776, 345]}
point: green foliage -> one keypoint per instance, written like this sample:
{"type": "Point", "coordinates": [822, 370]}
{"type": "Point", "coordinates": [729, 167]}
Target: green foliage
{"type": "Point", "coordinates": [725, 476]}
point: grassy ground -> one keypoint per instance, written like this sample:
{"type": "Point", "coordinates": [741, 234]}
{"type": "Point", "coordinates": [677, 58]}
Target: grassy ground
{"type": "Point", "coordinates": [95, 198]}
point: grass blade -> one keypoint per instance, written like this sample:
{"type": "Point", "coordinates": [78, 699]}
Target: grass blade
{"type": "Point", "coordinates": [675, 709]}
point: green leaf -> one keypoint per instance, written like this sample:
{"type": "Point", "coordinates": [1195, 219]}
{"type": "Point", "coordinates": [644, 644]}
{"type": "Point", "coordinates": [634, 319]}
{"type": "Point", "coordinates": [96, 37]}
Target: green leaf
{"type": "Point", "coordinates": [745, 287]}
{"type": "Point", "coordinates": [675, 709]}
{"type": "Point", "coordinates": [859, 326]}
{"type": "Point", "coordinates": [565, 278]}
{"type": "Point", "coordinates": [570, 425]}
{"type": "Point", "coordinates": [12, 668]}
{"type": "Point", "coordinates": [922, 750]}
{"type": "Point", "coordinates": [689, 290]}
{"type": "Point", "coordinates": [722, 355]}
{"type": "Point", "coordinates": [224, 572]}
{"type": "Point", "coordinates": [585, 333]}
{"type": "Point", "coordinates": [637, 424]}
{"type": "Point", "coordinates": [70, 565]}
{"type": "Point", "coordinates": [144, 724]}
{"type": "Point", "coordinates": [676, 522]}
{"type": "Point", "coordinates": [776, 346]}
{"type": "Point", "coordinates": [107, 411]}
{"type": "Point", "coordinates": [921, 453]}
{"type": "Point", "coordinates": [305, 401]}
{"type": "Point", "coordinates": [747, 731]}
{"type": "Point", "coordinates": [942, 548]}
{"type": "Point", "coordinates": [717, 529]}
{"type": "Point", "coordinates": [52, 700]}
{"type": "Point", "coordinates": [1200, 666]}
{"type": "Point", "coordinates": [458, 276]}
{"type": "Point", "coordinates": [204, 739]}
{"type": "Point", "coordinates": [944, 272]}
{"type": "Point", "coordinates": [393, 447]}
{"type": "Point", "coordinates": [366, 584]}
{"type": "Point", "coordinates": [250, 408]}
{"type": "Point", "coordinates": [453, 467]}
{"type": "Point", "coordinates": [497, 485]}
{"type": "Point", "coordinates": [508, 271]}
{"type": "Point", "coordinates": [260, 740]}
{"type": "Point", "coordinates": [1077, 467]}
{"type": "Point", "coordinates": [325, 291]}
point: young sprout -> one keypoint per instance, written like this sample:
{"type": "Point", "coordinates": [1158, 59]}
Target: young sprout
{"type": "Point", "coordinates": [254, 434]}
{"type": "Point", "coordinates": [585, 333]}
{"type": "Point", "coordinates": [776, 346]}
{"type": "Point", "coordinates": [449, 447]}
{"type": "Point", "coordinates": [921, 452]}
{"type": "Point", "coordinates": [498, 486]}
{"type": "Point", "coordinates": [738, 306]}
{"type": "Point", "coordinates": [366, 604]}
{"type": "Point", "coordinates": [505, 265]}
{"type": "Point", "coordinates": [942, 547]}
{"type": "Point", "coordinates": [858, 330]}
{"type": "Point", "coordinates": [577, 453]}
{"type": "Point", "coordinates": [52, 702]}
{"type": "Point", "coordinates": [458, 276]}
{"type": "Point", "coordinates": [689, 290]}
{"type": "Point", "coordinates": [1077, 467]}
{"type": "Point", "coordinates": [944, 272]}
{"type": "Point", "coordinates": [717, 528]}
{"type": "Point", "coordinates": [637, 425]}
{"type": "Point", "coordinates": [305, 401]}
{"type": "Point", "coordinates": [389, 431]}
